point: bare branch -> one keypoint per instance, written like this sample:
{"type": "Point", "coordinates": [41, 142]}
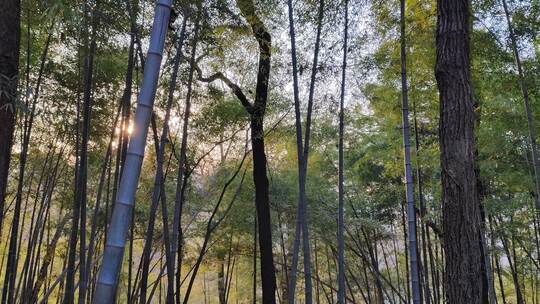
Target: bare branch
{"type": "Point", "coordinates": [233, 86]}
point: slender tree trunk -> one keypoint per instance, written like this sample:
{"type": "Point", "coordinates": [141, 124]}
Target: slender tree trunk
{"type": "Point", "coordinates": [317, 284]}
{"type": "Point", "coordinates": [256, 111]}
{"type": "Point", "coordinates": [11, 265]}
{"type": "Point", "coordinates": [229, 277]}
{"type": "Point", "coordinates": [396, 259]}
{"type": "Point", "coordinates": [490, 295]}
{"type": "Point", "coordinates": [61, 281]}
{"type": "Point", "coordinates": [254, 288]}
{"type": "Point", "coordinates": [423, 212]}
{"type": "Point", "coordinates": [407, 263]}
{"type": "Point", "coordinates": [10, 23]}
{"type": "Point", "coordinates": [461, 214]}
{"type": "Point", "coordinates": [221, 279]}
{"type": "Point", "coordinates": [368, 285]}
{"type": "Point", "coordinates": [439, 256]}
{"type": "Point", "coordinates": [124, 139]}
{"type": "Point", "coordinates": [36, 236]}
{"type": "Point", "coordinates": [341, 190]}
{"type": "Point", "coordinates": [434, 270]}
{"type": "Point", "coordinates": [528, 110]}
{"type": "Point", "coordinates": [301, 173]}
{"type": "Point", "coordinates": [385, 259]}
{"type": "Point", "coordinates": [33, 231]}
{"type": "Point", "coordinates": [179, 195]}
{"type": "Point", "coordinates": [261, 189]}
{"type": "Point", "coordinates": [379, 289]}
{"type": "Point", "coordinates": [158, 192]}
{"type": "Point", "coordinates": [497, 263]}
{"type": "Point", "coordinates": [409, 184]}
{"type": "Point", "coordinates": [83, 170]}
{"type": "Point", "coordinates": [511, 258]}
{"type": "Point", "coordinates": [211, 225]}
{"type": "Point", "coordinates": [94, 228]}
{"type": "Point", "coordinates": [285, 295]}
{"type": "Point", "coordinates": [303, 152]}
{"type": "Point", "coordinates": [47, 259]}
{"type": "Point", "coordinates": [114, 248]}
{"type": "Point", "coordinates": [79, 210]}
{"type": "Point", "coordinates": [260, 179]}
{"type": "Point", "coordinates": [329, 274]}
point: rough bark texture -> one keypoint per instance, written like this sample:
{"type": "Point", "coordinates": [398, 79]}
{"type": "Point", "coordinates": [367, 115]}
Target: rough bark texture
{"type": "Point", "coordinates": [9, 66]}
{"type": "Point", "coordinates": [461, 215]}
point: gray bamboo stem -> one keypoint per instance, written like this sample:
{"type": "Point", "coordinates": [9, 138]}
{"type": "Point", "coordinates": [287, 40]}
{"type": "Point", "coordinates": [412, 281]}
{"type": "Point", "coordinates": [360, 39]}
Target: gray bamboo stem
{"type": "Point", "coordinates": [409, 185]}
{"type": "Point", "coordinates": [115, 244]}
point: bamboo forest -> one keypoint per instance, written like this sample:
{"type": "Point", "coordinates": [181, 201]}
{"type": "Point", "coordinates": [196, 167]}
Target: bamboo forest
{"type": "Point", "coordinates": [270, 151]}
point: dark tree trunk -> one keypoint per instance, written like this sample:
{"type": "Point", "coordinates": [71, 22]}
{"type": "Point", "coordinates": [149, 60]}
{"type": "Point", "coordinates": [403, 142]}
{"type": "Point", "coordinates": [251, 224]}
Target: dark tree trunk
{"type": "Point", "coordinates": [497, 263]}
{"type": "Point", "coordinates": [285, 267]}
{"type": "Point", "coordinates": [11, 265]}
{"type": "Point", "coordinates": [254, 289]}
{"type": "Point", "coordinates": [36, 234]}
{"type": "Point", "coordinates": [415, 265]}
{"type": "Point", "coordinates": [302, 154]}
{"type": "Point", "coordinates": [461, 215]}
{"type": "Point", "coordinates": [43, 185]}
{"type": "Point", "coordinates": [176, 236]}
{"type": "Point", "coordinates": [79, 211]}
{"type": "Point", "coordinates": [158, 192]}
{"type": "Point", "coordinates": [94, 226]}
{"type": "Point", "coordinates": [341, 160]}
{"type": "Point", "coordinates": [10, 11]}
{"type": "Point", "coordinates": [221, 279]}
{"type": "Point", "coordinates": [260, 179]}
{"type": "Point", "coordinates": [263, 206]}
{"type": "Point", "coordinates": [256, 111]}
{"type": "Point", "coordinates": [171, 249]}
{"type": "Point", "coordinates": [423, 226]}
{"type": "Point", "coordinates": [124, 129]}
{"type": "Point", "coordinates": [405, 243]}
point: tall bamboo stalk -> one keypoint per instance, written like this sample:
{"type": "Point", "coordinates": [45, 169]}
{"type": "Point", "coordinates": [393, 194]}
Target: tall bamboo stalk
{"type": "Point", "coordinates": [409, 185]}
{"type": "Point", "coordinates": [114, 247]}
{"type": "Point", "coordinates": [158, 192]}
{"type": "Point", "coordinates": [176, 236]}
{"type": "Point", "coordinates": [303, 152]}
{"type": "Point", "coordinates": [341, 224]}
